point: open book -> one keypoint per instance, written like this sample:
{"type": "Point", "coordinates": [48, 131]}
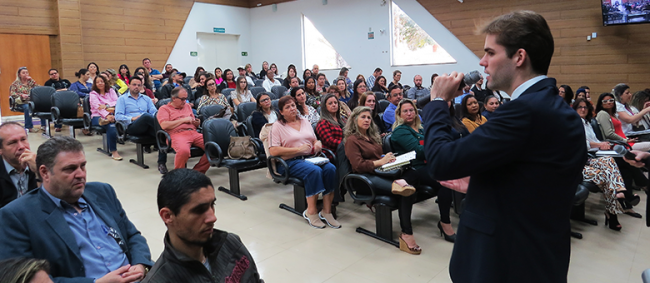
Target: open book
{"type": "Point", "coordinates": [400, 160]}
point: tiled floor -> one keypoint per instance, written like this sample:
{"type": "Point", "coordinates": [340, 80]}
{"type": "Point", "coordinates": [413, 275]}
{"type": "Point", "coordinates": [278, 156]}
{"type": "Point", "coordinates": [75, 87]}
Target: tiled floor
{"type": "Point", "coordinates": [286, 249]}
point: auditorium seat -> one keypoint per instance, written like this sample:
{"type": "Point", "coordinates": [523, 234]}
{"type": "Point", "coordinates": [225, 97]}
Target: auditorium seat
{"type": "Point", "coordinates": [578, 209]}
{"type": "Point", "coordinates": [15, 107]}
{"type": "Point", "coordinates": [64, 111]}
{"type": "Point", "coordinates": [164, 142]}
{"type": "Point", "coordinates": [95, 128]}
{"type": "Point", "coordinates": [383, 104]}
{"type": "Point", "coordinates": [259, 82]}
{"type": "Point", "coordinates": [379, 95]}
{"type": "Point", "coordinates": [257, 90]}
{"type": "Point", "coordinates": [226, 92]}
{"type": "Point", "coordinates": [40, 105]}
{"type": "Point", "coordinates": [162, 102]}
{"type": "Point", "coordinates": [278, 91]}
{"type": "Point", "coordinates": [244, 110]}
{"type": "Point", "coordinates": [140, 143]}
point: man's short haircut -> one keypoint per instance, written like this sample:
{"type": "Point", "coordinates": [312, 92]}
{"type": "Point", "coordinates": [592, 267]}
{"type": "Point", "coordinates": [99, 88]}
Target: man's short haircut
{"type": "Point", "coordinates": [293, 78]}
{"type": "Point", "coordinates": [177, 186]}
{"type": "Point", "coordinates": [585, 87]}
{"type": "Point", "coordinates": [7, 124]}
{"type": "Point", "coordinates": [396, 72]}
{"type": "Point", "coordinates": [137, 78]}
{"type": "Point", "coordinates": [524, 30]}
{"type": "Point", "coordinates": [145, 59]}
{"type": "Point", "coordinates": [47, 152]}
{"type": "Point", "coordinates": [48, 72]}
{"type": "Point", "coordinates": [22, 269]}
{"type": "Point", "coordinates": [395, 86]}
{"type": "Point", "coordinates": [320, 75]}
{"type": "Point", "coordinates": [177, 90]}
{"type": "Point", "coordinates": [378, 70]}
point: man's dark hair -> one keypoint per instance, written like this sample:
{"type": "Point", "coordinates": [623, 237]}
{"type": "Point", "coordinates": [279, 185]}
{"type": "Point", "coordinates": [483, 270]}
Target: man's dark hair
{"type": "Point", "coordinates": [48, 151]}
{"type": "Point", "coordinates": [378, 70]}
{"type": "Point", "coordinates": [524, 30]}
{"type": "Point", "coordinates": [390, 89]}
{"type": "Point", "coordinates": [137, 78]}
{"type": "Point", "coordinates": [145, 59]}
{"type": "Point", "coordinates": [585, 87]}
{"type": "Point", "coordinates": [21, 269]}
{"type": "Point", "coordinates": [6, 124]}
{"type": "Point", "coordinates": [293, 78]}
{"type": "Point", "coordinates": [177, 186]}
{"type": "Point", "coordinates": [320, 75]}
{"type": "Point", "coordinates": [48, 72]}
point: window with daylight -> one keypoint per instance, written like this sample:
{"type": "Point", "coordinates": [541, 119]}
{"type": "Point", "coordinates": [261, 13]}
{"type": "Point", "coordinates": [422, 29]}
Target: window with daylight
{"type": "Point", "coordinates": [411, 45]}
{"type": "Point", "coordinates": [318, 50]}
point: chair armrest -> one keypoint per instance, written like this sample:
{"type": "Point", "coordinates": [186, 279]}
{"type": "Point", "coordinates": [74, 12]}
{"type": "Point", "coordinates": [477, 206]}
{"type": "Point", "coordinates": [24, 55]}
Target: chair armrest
{"type": "Point", "coordinates": [352, 190]}
{"type": "Point", "coordinates": [163, 140]}
{"type": "Point", "coordinates": [243, 130]}
{"type": "Point", "coordinates": [214, 153]}
{"type": "Point", "coordinates": [329, 154]}
{"type": "Point", "coordinates": [259, 146]}
{"type": "Point", "coordinates": [282, 178]}
{"type": "Point", "coordinates": [120, 128]}
{"type": "Point", "coordinates": [87, 121]}
{"type": "Point", "coordinates": [31, 107]}
{"type": "Point", "coordinates": [392, 174]}
{"type": "Point", "coordinates": [56, 115]}
{"type": "Point", "coordinates": [12, 103]}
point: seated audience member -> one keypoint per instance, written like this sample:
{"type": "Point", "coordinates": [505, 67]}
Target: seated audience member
{"type": "Point", "coordinates": [330, 126]}
{"type": "Point", "coordinates": [186, 203]}
{"type": "Point", "coordinates": [292, 83]}
{"type": "Point", "coordinates": [315, 70]}
{"type": "Point", "coordinates": [380, 85]}
{"type": "Point", "coordinates": [212, 97]}
{"type": "Point", "coordinates": [363, 149]}
{"type": "Point", "coordinates": [417, 91]}
{"type": "Point", "coordinates": [291, 73]}
{"type": "Point", "coordinates": [18, 167]}
{"type": "Point", "coordinates": [93, 70]}
{"type": "Point", "coordinates": [265, 68]}
{"type": "Point", "coordinates": [306, 74]}
{"type": "Point", "coordinates": [82, 87]}
{"type": "Point", "coordinates": [320, 83]}
{"type": "Point", "coordinates": [304, 110]}
{"type": "Point", "coordinates": [587, 92]}
{"type": "Point", "coordinates": [358, 88]}
{"type": "Point", "coordinates": [408, 135]}
{"type": "Point", "coordinates": [466, 92]}
{"type": "Point", "coordinates": [629, 115]}
{"type": "Point", "coordinates": [479, 92]}
{"type": "Point", "coordinates": [580, 93]}
{"type": "Point", "coordinates": [242, 73]}
{"type": "Point", "coordinates": [491, 104]}
{"type": "Point", "coordinates": [274, 70]}
{"type": "Point", "coordinates": [196, 80]}
{"type": "Point", "coordinates": [397, 76]}
{"type": "Point", "coordinates": [200, 88]}
{"type": "Point", "coordinates": [264, 113]}
{"type": "Point", "coordinates": [313, 96]}
{"type": "Point", "coordinates": [124, 73]}
{"type": "Point", "coordinates": [249, 73]}
{"type": "Point", "coordinates": [25, 270]}
{"type": "Point", "coordinates": [270, 82]}
{"type": "Point", "coordinates": [292, 138]}
{"type": "Point", "coordinates": [370, 82]}
{"type": "Point", "coordinates": [342, 90]}
{"type": "Point", "coordinates": [136, 111]}
{"type": "Point", "coordinates": [241, 93]}
{"type": "Point", "coordinates": [79, 227]}
{"type": "Point", "coordinates": [20, 90]}
{"type": "Point", "coordinates": [120, 86]}
{"type": "Point", "coordinates": [344, 109]}
{"type": "Point", "coordinates": [566, 92]}
{"type": "Point", "coordinates": [369, 100]}
{"type": "Point", "coordinates": [228, 80]}
{"type": "Point", "coordinates": [360, 76]}
{"type": "Point", "coordinates": [175, 80]}
{"type": "Point", "coordinates": [603, 171]}
{"type": "Point", "coordinates": [168, 71]}
{"type": "Point", "coordinates": [472, 117]}
{"type": "Point", "coordinates": [147, 82]}
{"type": "Point", "coordinates": [344, 72]}
{"type": "Point", "coordinates": [102, 108]}
{"type": "Point", "coordinates": [56, 82]}
{"type": "Point", "coordinates": [394, 97]}
{"type": "Point", "coordinates": [145, 90]}
{"type": "Point", "coordinates": [155, 75]}
{"type": "Point", "coordinates": [433, 79]}
{"type": "Point", "coordinates": [641, 100]}
{"type": "Point", "coordinates": [177, 119]}
{"type": "Point", "coordinates": [611, 126]}
{"type": "Point", "coordinates": [218, 76]}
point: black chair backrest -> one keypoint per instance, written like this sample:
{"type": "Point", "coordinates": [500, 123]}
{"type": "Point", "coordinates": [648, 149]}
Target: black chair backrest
{"type": "Point", "coordinates": [280, 80]}
{"type": "Point", "coordinates": [279, 91]}
{"type": "Point", "coordinates": [343, 166]}
{"type": "Point", "coordinates": [596, 127]}
{"type": "Point", "coordinates": [257, 90]}
{"type": "Point", "coordinates": [271, 95]}
{"type": "Point", "coordinates": [162, 102]}
{"type": "Point", "coordinates": [67, 102]}
{"type": "Point", "coordinates": [386, 145]}
{"type": "Point", "coordinates": [86, 103]}
{"type": "Point", "coordinates": [210, 110]}
{"type": "Point", "coordinates": [274, 103]}
{"type": "Point", "coordinates": [42, 98]}
{"type": "Point", "coordinates": [259, 82]}
{"type": "Point", "coordinates": [227, 91]}
{"type": "Point", "coordinates": [458, 110]}
{"type": "Point", "coordinates": [383, 104]}
{"type": "Point", "coordinates": [244, 110]}
{"type": "Point", "coordinates": [219, 131]}
{"type": "Point", "coordinates": [187, 79]}
{"type": "Point", "coordinates": [379, 95]}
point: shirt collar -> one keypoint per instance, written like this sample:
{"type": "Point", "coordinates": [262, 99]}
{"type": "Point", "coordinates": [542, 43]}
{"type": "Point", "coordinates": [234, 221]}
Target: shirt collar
{"type": "Point", "coordinates": [58, 202]}
{"type": "Point", "coordinates": [525, 86]}
{"type": "Point", "coordinates": [128, 94]}
{"type": "Point", "coordinates": [11, 168]}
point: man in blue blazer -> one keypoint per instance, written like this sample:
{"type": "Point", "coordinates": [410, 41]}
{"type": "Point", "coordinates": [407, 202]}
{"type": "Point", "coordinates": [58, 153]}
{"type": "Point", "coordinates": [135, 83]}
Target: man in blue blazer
{"type": "Point", "coordinates": [525, 162]}
{"type": "Point", "coordinates": [81, 229]}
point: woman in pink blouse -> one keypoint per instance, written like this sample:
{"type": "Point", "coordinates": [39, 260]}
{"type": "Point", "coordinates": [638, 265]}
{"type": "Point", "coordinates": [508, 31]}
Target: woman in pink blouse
{"type": "Point", "coordinates": [102, 108]}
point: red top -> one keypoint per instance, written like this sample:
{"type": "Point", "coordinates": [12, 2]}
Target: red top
{"type": "Point", "coordinates": [618, 128]}
{"type": "Point", "coordinates": [232, 84]}
{"type": "Point", "coordinates": [169, 113]}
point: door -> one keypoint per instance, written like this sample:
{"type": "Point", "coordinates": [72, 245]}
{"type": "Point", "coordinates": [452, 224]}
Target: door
{"type": "Point", "coordinates": [22, 50]}
{"type": "Point", "coordinates": [218, 50]}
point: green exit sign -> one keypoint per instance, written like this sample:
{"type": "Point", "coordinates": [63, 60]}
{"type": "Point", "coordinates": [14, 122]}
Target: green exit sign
{"type": "Point", "coordinates": [219, 30]}
{"type": "Point", "coordinates": [244, 54]}
{"type": "Point", "coordinates": [194, 53]}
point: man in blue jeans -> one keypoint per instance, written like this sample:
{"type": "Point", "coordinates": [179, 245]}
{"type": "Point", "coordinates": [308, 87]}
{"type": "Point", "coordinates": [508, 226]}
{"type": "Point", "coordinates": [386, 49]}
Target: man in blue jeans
{"type": "Point", "coordinates": [136, 111]}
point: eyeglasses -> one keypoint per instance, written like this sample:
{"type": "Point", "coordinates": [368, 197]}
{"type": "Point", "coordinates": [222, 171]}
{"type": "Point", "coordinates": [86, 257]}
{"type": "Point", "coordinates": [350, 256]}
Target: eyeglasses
{"type": "Point", "coordinates": [211, 84]}
{"type": "Point", "coordinates": [582, 107]}
{"type": "Point", "coordinates": [611, 100]}
{"type": "Point", "coordinates": [182, 98]}
{"type": "Point", "coordinates": [52, 74]}
{"type": "Point", "coordinates": [265, 100]}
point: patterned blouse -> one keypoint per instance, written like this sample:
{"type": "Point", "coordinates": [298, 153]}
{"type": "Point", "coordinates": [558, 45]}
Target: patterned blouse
{"type": "Point", "coordinates": [313, 100]}
{"type": "Point", "coordinates": [17, 89]}
{"type": "Point", "coordinates": [312, 115]}
{"type": "Point", "coordinates": [207, 100]}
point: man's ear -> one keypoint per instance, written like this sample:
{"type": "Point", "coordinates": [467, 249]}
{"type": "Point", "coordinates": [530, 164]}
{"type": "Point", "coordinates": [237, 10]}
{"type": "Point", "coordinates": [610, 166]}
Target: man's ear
{"type": "Point", "coordinates": [166, 215]}
{"type": "Point", "coordinates": [520, 57]}
{"type": "Point", "coordinates": [44, 173]}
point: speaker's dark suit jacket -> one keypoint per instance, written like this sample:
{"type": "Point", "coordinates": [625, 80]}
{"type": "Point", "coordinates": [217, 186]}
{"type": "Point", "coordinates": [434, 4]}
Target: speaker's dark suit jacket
{"type": "Point", "coordinates": [32, 226]}
{"type": "Point", "coordinates": [525, 164]}
{"type": "Point", "coordinates": [8, 191]}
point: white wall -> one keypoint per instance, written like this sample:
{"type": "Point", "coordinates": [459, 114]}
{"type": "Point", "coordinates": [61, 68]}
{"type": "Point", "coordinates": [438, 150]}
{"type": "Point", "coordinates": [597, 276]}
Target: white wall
{"type": "Point", "coordinates": [345, 24]}
{"type": "Point", "coordinates": [203, 18]}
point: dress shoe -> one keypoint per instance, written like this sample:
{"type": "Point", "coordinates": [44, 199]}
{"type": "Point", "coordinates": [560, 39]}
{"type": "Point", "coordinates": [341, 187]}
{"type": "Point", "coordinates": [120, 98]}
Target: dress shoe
{"type": "Point", "coordinates": [162, 168]}
{"type": "Point", "coordinates": [448, 238]}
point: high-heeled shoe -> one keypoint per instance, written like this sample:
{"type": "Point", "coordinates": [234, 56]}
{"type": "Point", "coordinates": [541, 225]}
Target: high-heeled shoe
{"type": "Point", "coordinates": [448, 238]}
{"type": "Point", "coordinates": [403, 246]}
{"type": "Point", "coordinates": [612, 221]}
{"type": "Point", "coordinates": [404, 191]}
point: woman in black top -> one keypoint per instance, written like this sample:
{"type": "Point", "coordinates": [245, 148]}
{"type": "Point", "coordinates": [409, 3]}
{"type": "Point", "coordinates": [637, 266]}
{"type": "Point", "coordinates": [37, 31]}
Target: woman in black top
{"type": "Point", "coordinates": [358, 88]}
{"type": "Point", "coordinates": [370, 100]}
{"type": "Point", "coordinates": [264, 114]}
{"type": "Point", "coordinates": [380, 85]}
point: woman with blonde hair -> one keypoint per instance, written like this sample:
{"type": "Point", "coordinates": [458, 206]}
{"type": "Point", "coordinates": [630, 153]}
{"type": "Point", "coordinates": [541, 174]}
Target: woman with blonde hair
{"type": "Point", "coordinates": [24, 270]}
{"type": "Point", "coordinates": [241, 93]}
{"type": "Point", "coordinates": [122, 87]}
{"type": "Point", "coordinates": [20, 90]}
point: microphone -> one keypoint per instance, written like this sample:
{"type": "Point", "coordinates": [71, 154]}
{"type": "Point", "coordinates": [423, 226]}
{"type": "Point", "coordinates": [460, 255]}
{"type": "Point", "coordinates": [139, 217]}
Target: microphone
{"type": "Point", "coordinates": [470, 79]}
{"type": "Point", "coordinates": [619, 149]}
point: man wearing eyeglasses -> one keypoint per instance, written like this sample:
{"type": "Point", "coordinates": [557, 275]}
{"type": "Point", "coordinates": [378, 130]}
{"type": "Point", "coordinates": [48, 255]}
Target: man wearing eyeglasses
{"type": "Point", "coordinates": [18, 166]}
{"type": "Point", "coordinates": [177, 119]}
{"type": "Point", "coordinates": [56, 82]}
{"type": "Point", "coordinates": [79, 227]}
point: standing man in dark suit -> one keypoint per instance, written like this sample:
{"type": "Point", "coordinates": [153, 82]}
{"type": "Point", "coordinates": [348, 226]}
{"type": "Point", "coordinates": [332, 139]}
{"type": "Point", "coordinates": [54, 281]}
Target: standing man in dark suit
{"type": "Point", "coordinates": [81, 229]}
{"type": "Point", "coordinates": [515, 225]}
{"type": "Point", "coordinates": [18, 166]}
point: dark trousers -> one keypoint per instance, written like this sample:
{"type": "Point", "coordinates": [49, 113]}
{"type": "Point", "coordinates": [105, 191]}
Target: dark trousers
{"type": "Point", "coordinates": [631, 175]}
{"type": "Point", "coordinates": [144, 126]}
{"type": "Point", "coordinates": [421, 176]}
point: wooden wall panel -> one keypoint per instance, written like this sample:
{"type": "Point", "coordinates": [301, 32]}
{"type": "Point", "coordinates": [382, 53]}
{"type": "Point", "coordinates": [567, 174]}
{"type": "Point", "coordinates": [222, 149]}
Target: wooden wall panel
{"type": "Point", "coordinates": [619, 54]}
{"type": "Point", "coordinates": [28, 17]}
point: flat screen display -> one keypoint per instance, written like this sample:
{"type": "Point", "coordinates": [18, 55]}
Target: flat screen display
{"type": "Point", "coordinates": [624, 12]}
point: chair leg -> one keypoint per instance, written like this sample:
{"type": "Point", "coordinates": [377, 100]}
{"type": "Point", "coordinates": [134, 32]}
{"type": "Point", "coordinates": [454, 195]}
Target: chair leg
{"type": "Point", "coordinates": [234, 191]}
{"type": "Point", "coordinates": [104, 149]}
{"type": "Point", "coordinates": [576, 235]}
{"type": "Point", "coordinates": [48, 131]}
{"type": "Point", "coordinates": [72, 132]}
{"type": "Point", "coordinates": [578, 214]}
{"type": "Point", "coordinates": [384, 223]}
{"type": "Point", "coordinates": [140, 156]}
{"type": "Point", "coordinates": [299, 201]}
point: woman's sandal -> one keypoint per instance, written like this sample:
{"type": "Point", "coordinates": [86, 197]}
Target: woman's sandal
{"type": "Point", "coordinates": [403, 246]}
{"type": "Point", "coordinates": [404, 191]}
